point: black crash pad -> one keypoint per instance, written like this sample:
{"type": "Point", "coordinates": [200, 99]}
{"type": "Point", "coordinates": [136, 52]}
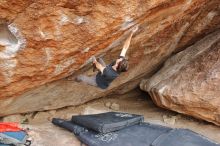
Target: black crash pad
{"type": "Point", "coordinates": [107, 122]}
{"type": "Point", "coordinates": [182, 137]}
{"type": "Point", "coordinates": [137, 135]}
{"type": "Point", "coordinates": [144, 134]}
{"type": "Point", "coordinates": [123, 129]}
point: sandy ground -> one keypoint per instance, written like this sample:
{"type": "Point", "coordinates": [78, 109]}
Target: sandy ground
{"type": "Point", "coordinates": [43, 133]}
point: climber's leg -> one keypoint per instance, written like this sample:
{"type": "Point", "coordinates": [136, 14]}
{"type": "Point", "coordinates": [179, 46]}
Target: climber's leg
{"type": "Point", "coordinates": [101, 61]}
{"type": "Point", "coordinates": [86, 79]}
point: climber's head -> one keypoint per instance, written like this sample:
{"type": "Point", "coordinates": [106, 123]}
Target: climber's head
{"type": "Point", "coordinates": [121, 64]}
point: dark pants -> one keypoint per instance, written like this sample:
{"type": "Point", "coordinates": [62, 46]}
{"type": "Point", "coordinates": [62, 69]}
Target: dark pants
{"type": "Point", "coordinates": [90, 80]}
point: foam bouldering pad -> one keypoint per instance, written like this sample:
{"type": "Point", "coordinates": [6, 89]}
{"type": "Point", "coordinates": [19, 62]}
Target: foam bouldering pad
{"type": "Point", "coordinates": [137, 135]}
{"type": "Point", "coordinates": [183, 137]}
{"type": "Point", "coordinates": [107, 122]}
{"type": "Point", "coordinates": [144, 134]}
{"type": "Point", "coordinates": [14, 138]}
{"type": "Point", "coordinates": [68, 125]}
{"type": "Point", "coordinates": [9, 127]}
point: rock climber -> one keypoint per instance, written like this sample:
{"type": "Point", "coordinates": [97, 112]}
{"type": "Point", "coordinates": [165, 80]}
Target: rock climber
{"type": "Point", "coordinates": [107, 73]}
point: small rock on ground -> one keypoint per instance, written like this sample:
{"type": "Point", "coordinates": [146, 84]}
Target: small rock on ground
{"type": "Point", "coordinates": [169, 119]}
{"type": "Point", "coordinates": [115, 106]}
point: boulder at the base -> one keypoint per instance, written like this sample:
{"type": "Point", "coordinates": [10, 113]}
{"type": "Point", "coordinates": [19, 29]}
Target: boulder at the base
{"type": "Point", "coordinates": [45, 40]}
{"type": "Point", "coordinates": [189, 82]}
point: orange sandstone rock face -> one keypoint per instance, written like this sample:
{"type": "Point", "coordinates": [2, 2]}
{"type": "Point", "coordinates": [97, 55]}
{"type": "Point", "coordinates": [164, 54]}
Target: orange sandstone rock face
{"type": "Point", "coordinates": [10, 9]}
{"type": "Point", "coordinates": [42, 41]}
{"type": "Point", "coordinates": [189, 82]}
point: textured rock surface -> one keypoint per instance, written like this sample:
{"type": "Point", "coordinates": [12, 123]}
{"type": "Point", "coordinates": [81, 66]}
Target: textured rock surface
{"type": "Point", "coordinates": [189, 82]}
{"type": "Point", "coordinates": [49, 40]}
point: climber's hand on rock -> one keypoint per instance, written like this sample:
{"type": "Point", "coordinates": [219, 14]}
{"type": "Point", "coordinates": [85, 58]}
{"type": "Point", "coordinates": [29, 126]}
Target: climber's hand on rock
{"type": "Point", "coordinates": [94, 59]}
{"type": "Point", "coordinates": [134, 29]}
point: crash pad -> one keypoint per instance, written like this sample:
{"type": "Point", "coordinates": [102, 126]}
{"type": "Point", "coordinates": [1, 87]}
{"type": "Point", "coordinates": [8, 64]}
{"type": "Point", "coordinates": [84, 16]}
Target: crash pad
{"type": "Point", "coordinates": [123, 129]}
{"type": "Point", "coordinates": [183, 137]}
{"type": "Point", "coordinates": [15, 138]}
{"type": "Point", "coordinates": [107, 122]}
{"type": "Point", "coordinates": [137, 135]}
{"type": "Point", "coordinates": [6, 127]}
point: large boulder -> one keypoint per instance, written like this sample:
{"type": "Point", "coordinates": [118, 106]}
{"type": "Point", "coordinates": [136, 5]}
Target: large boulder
{"type": "Point", "coordinates": [189, 82]}
{"type": "Point", "coordinates": [43, 41]}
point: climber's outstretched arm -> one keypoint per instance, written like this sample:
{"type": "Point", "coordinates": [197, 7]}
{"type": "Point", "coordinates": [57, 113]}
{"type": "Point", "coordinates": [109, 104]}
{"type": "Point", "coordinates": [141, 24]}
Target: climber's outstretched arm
{"type": "Point", "coordinates": [127, 42]}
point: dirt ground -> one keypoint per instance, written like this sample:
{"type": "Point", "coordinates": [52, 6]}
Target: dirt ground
{"type": "Point", "coordinates": [43, 133]}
